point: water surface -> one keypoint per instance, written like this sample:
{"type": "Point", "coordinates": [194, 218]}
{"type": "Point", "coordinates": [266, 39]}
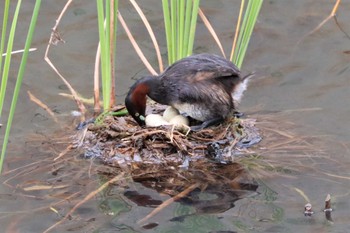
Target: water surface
{"type": "Point", "coordinates": [302, 98]}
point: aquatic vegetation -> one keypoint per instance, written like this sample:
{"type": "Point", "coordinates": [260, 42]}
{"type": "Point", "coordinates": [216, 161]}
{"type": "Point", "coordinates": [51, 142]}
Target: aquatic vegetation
{"type": "Point", "coordinates": [5, 72]}
{"type": "Point", "coordinates": [180, 20]}
{"type": "Point", "coordinates": [107, 24]}
{"type": "Point", "coordinates": [244, 30]}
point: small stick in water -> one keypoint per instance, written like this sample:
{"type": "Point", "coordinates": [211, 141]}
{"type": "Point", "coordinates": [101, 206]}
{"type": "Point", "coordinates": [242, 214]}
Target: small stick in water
{"type": "Point", "coordinates": [327, 208]}
{"type": "Point", "coordinates": [308, 210]}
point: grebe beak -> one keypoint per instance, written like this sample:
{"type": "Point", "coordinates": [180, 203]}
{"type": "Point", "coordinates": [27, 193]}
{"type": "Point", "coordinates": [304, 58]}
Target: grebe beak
{"type": "Point", "coordinates": [139, 118]}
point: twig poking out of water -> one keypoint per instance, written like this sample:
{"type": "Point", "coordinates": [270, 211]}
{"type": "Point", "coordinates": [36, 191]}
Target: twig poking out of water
{"type": "Point", "coordinates": [52, 40]}
{"type": "Point", "coordinates": [337, 176]}
{"type": "Point", "coordinates": [330, 16]}
{"type": "Point", "coordinates": [308, 210]}
{"type": "Point", "coordinates": [302, 194]}
{"type": "Point", "coordinates": [211, 30]}
{"type": "Point", "coordinates": [237, 29]}
{"type": "Point", "coordinates": [136, 46]}
{"type": "Point", "coordinates": [56, 37]}
{"type": "Point", "coordinates": [87, 198]}
{"type": "Point", "coordinates": [20, 51]}
{"type": "Point", "coordinates": [328, 208]}
{"type": "Point", "coordinates": [169, 201]}
{"type": "Point", "coordinates": [65, 151]}
{"type": "Point", "coordinates": [340, 27]}
{"type": "Point", "coordinates": [150, 32]}
{"type": "Point", "coordinates": [97, 105]}
{"type": "Point", "coordinates": [42, 105]}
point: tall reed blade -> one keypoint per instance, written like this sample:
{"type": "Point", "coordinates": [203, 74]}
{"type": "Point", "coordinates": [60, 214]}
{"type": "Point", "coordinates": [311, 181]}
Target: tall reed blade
{"type": "Point", "coordinates": [19, 76]}
{"type": "Point", "coordinates": [166, 13]}
{"type": "Point", "coordinates": [180, 38]}
{"type": "Point", "coordinates": [150, 32]}
{"type": "Point", "coordinates": [8, 56]}
{"type": "Point", "coordinates": [100, 18]}
{"type": "Point", "coordinates": [106, 80]}
{"type": "Point", "coordinates": [107, 20]}
{"type": "Point", "coordinates": [3, 32]}
{"type": "Point", "coordinates": [187, 26]}
{"type": "Point", "coordinates": [238, 27]}
{"type": "Point", "coordinates": [180, 19]}
{"type": "Point", "coordinates": [250, 16]}
{"type": "Point", "coordinates": [192, 27]}
{"type": "Point", "coordinates": [113, 40]}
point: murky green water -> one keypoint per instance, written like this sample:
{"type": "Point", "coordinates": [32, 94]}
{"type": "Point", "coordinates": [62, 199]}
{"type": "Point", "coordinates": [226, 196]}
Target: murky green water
{"type": "Point", "coordinates": [303, 96]}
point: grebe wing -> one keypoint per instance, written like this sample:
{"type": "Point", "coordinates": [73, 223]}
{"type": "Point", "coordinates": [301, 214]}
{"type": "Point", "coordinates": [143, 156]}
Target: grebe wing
{"type": "Point", "coordinates": [201, 92]}
{"type": "Point", "coordinates": [201, 67]}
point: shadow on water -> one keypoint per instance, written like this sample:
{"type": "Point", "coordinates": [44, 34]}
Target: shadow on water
{"type": "Point", "coordinates": [299, 107]}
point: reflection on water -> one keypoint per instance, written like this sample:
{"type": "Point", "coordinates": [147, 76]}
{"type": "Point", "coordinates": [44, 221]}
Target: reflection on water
{"type": "Point", "coordinates": [299, 106]}
{"type": "Point", "coordinates": [263, 192]}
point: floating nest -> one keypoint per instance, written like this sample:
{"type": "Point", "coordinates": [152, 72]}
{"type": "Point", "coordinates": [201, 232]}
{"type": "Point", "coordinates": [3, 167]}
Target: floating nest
{"type": "Point", "coordinates": [172, 161]}
{"type": "Point", "coordinates": [120, 142]}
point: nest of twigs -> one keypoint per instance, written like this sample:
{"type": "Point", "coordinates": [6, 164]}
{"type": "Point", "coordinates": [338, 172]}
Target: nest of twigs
{"type": "Point", "coordinates": [119, 141]}
{"type": "Point", "coordinates": [180, 164]}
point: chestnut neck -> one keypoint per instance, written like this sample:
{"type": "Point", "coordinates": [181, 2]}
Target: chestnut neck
{"type": "Point", "coordinates": [151, 86]}
{"type": "Point", "coordinates": [136, 98]}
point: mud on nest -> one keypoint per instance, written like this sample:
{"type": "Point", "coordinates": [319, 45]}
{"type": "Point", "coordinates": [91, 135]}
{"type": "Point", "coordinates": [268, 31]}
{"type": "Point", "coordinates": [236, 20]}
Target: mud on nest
{"type": "Point", "coordinates": [120, 142]}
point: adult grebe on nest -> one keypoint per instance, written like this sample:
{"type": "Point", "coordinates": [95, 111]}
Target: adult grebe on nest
{"type": "Point", "coordinates": [205, 87]}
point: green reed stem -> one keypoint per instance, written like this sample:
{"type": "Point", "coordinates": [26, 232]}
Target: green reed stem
{"type": "Point", "coordinates": [8, 56]}
{"type": "Point", "coordinates": [113, 48]}
{"type": "Point", "coordinates": [173, 29]}
{"type": "Point", "coordinates": [180, 19]}
{"type": "Point", "coordinates": [187, 26]}
{"type": "Point", "coordinates": [192, 27]}
{"type": "Point", "coordinates": [249, 20]}
{"type": "Point", "coordinates": [104, 51]}
{"type": "Point", "coordinates": [107, 56]}
{"type": "Point", "coordinates": [20, 74]}
{"type": "Point", "coordinates": [3, 34]}
{"type": "Point", "coordinates": [167, 24]}
{"type": "Point", "coordinates": [181, 28]}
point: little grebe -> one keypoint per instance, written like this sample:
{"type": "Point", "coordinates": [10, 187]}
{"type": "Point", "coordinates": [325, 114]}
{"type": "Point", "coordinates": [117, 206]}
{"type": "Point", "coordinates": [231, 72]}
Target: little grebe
{"type": "Point", "coordinates": [205, 87]}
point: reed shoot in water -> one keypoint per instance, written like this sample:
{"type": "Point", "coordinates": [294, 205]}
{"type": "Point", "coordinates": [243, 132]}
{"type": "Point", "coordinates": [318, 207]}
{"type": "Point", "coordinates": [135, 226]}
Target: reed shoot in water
{"type": "Point", "coordinates": [180, 20]}
{"type": "Point", "coordinates": [107, 25]}
{"type": "Point", "coordinates": [22, 66]}
{"type": "Point", "coordinates": [244, 30]}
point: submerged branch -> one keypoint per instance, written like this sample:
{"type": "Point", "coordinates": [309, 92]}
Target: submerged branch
{"type": "Point", "coordinates": [42, 105]}
{"type": "Point", "coordinates": [87, 198]}
{"type": "Point", "coordinates": [169, 201]}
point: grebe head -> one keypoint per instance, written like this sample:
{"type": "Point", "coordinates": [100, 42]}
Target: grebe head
{"type": "Point", "coordinates": [135, 101]}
